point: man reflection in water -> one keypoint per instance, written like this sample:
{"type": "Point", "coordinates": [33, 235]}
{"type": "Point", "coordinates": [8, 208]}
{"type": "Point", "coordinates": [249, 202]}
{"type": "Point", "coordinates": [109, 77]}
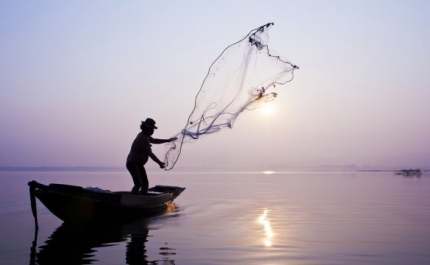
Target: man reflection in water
{"type": "Point", "coordinates": [136, 251]}
{"type": "Point", "coordinates": [139, 154]}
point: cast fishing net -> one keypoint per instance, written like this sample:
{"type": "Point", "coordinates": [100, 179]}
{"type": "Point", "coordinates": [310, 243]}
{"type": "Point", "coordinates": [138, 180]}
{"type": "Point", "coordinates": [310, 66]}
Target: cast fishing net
{"type": "Point", "coordinates": [241, 78]}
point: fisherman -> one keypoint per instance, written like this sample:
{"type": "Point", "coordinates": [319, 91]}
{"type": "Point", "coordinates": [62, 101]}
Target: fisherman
{"type": "Point", "coordinates": [140, 152]}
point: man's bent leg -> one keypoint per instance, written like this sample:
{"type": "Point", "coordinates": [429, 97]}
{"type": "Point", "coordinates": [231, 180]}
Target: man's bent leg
{"type": "Point", "coordinates": [143, 180]}
{"type": "Point", "coordinates": [135, 173]}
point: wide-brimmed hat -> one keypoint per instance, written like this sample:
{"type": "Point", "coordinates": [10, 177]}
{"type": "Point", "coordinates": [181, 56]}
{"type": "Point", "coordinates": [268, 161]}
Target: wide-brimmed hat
{"type": "Point", "coordinates": [149, 123]}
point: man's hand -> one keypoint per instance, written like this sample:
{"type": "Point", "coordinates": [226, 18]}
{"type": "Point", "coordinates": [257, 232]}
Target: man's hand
{"type": "Point", "coordinates": [162, 165]}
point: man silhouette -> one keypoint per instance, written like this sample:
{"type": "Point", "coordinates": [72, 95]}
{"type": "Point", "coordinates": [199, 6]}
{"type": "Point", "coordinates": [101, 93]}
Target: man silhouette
{"type": "Point", "coordinates": [140, 152]}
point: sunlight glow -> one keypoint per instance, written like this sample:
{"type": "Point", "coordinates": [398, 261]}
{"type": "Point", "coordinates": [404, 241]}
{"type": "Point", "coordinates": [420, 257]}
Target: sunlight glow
{"type": "Point", "coordinates": [268, 172]}
{"type": "Point", "coordinates": [267, 228]}
{"type": "Point", "coordinates": [268, 109]}
{"type": "Point", "coordinates": [171, 207]}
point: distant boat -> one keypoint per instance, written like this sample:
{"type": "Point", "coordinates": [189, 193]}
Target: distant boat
{"type": "Point", "coordinates": [409, 172]}
{"type": "Point", "coordinates": [75, 204]}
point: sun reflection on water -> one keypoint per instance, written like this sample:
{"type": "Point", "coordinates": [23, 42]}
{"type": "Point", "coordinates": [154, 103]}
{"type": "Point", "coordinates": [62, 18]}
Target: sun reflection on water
{"type": "Point", "coordinates": [267, 228]}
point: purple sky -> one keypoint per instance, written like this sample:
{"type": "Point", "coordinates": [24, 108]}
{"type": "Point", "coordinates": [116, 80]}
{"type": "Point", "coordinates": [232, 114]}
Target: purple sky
{"type": "Point", "coordinates": [77, 77]}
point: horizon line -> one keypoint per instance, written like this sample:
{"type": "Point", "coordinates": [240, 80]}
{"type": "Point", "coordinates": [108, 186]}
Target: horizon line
{"type": "Point", "coordinates": [322, 168]}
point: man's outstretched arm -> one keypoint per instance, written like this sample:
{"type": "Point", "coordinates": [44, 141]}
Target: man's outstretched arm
{"type": "Point", "coordinates": [161, 141]}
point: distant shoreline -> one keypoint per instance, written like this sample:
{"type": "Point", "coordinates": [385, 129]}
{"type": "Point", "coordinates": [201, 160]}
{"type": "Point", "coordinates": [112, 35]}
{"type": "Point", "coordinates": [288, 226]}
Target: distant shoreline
{"type": "Point", "coordinates": [121, 169]}
{"type": "Point", "coordinates": [63, 169]}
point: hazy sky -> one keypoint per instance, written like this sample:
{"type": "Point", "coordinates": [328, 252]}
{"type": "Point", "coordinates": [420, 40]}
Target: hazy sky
{"type": "Point", "coordinates": [77, 77]}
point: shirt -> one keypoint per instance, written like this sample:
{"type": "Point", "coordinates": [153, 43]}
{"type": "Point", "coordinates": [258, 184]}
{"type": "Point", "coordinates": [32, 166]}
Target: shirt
{"type": "Point", "coordinates": [140, 150]}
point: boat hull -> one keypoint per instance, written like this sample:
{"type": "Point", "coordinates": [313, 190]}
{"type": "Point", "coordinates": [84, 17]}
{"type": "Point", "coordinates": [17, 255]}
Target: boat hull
{"type": "Point", "coordinates": [76, 204]}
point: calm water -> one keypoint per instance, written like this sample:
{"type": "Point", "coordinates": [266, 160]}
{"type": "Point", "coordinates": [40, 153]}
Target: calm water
{"type": "Point", "coordinates": [232, 218]}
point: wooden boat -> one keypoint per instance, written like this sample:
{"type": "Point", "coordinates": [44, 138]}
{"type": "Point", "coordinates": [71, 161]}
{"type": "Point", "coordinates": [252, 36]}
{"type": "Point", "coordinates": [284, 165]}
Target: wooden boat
{"type": "Point", "coordinates": [76, 204]}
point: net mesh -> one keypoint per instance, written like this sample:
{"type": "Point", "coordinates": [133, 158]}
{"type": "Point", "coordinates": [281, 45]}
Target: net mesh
{"type": "Point", "coordinates": [241, 78]}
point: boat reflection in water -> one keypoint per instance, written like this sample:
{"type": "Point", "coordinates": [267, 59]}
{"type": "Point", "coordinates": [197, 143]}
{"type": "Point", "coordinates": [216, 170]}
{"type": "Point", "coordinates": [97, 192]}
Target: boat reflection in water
{"type": "Point", "coordinates": [72, 244]}
{"type": "Point", "coordinates": [267, 228]}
